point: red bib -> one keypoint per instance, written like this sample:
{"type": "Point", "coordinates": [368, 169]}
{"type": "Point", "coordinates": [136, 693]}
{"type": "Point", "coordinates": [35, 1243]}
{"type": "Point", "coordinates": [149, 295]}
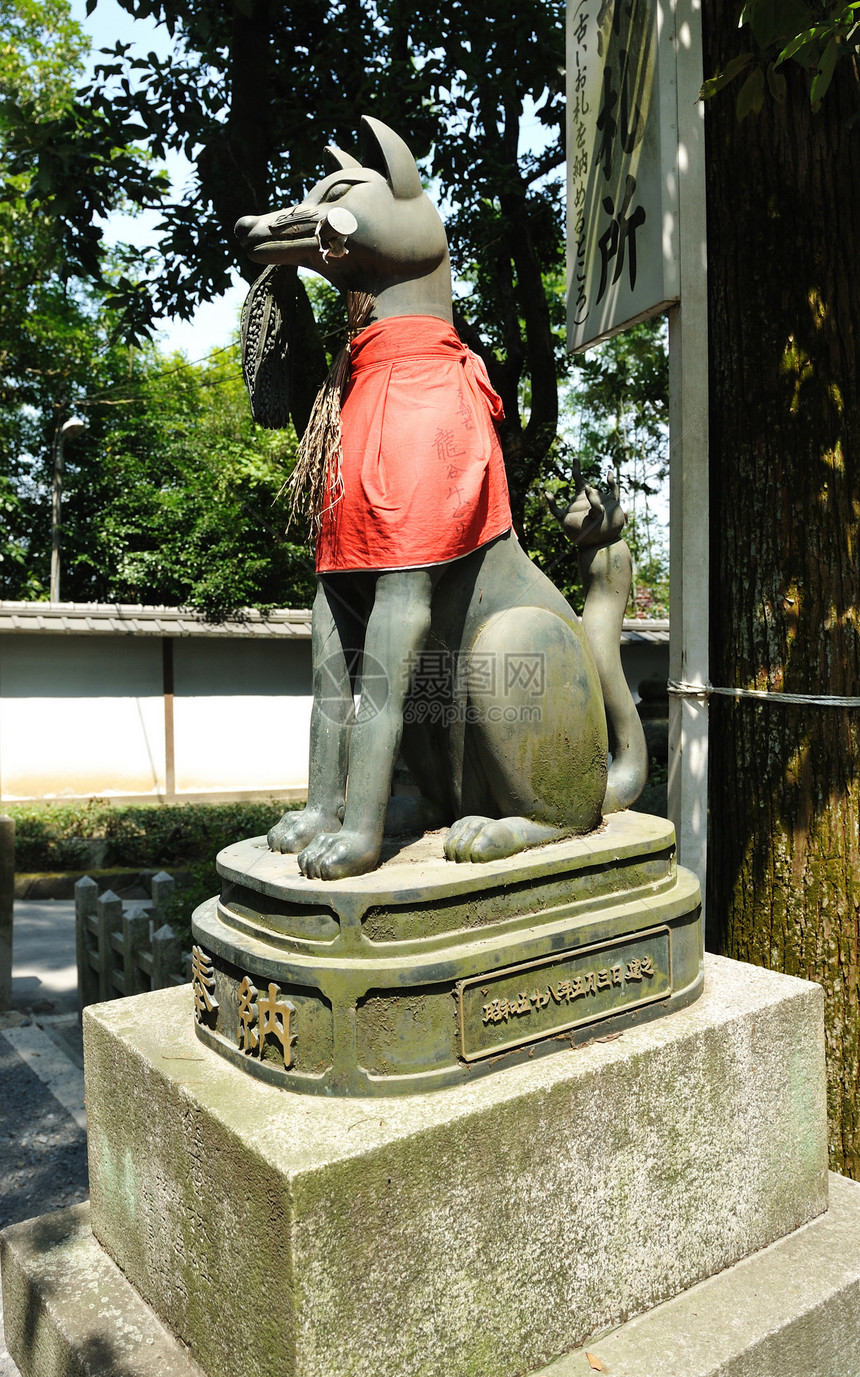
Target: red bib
{"type": "Point", "coordinates": [423, 475]}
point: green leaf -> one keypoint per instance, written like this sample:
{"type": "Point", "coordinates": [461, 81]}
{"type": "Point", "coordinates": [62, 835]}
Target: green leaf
{"type": "Point", "coordinates": [761, 16]}
{"type": "Point", "coordinates": [824, 75]}
{"type": "Point", "coordinates": [846, 14]}
{"type": "Point", "coordinates": [771, 21]}
{"type": "Point", "coordinates": [751, 94]}
{"type": "Point", "coordinates": [729, 72]}
{"type": "Point", "coordinates": [807, 39]}
{"type": "Point", "coordinates": [777, 84]}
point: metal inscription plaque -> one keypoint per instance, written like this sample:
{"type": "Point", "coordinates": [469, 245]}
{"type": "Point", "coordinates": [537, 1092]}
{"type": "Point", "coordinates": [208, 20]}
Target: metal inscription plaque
{"type": "Point", "coordinates": [541, 998]}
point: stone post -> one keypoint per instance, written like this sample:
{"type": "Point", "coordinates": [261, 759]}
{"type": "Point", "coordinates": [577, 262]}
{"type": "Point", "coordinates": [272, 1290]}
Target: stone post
{"type": "Point", "coordinates": [166, 957]}
{"type": "Point", "coordinates": [135, 938]}
{"type": "Point", "coordinates": [86, 894]}
{"type": "Point", "coordinates": [7, 896]}
{"type": "Point", "coordinates": [109, 910]}
{"type": "Point", "coordinates": [163, 886]}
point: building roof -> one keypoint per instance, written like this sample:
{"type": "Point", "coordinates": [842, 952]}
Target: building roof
{"type": "Point", "coordinates": [114, 619]}
{"type": "Point", "coordinates": [636, 630]}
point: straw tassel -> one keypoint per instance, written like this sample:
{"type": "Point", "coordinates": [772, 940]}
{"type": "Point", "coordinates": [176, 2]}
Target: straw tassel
{"type": "Point", "coordinates": [316, 483]}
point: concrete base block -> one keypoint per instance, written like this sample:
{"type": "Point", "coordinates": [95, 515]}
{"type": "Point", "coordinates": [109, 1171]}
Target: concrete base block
{"type": "Point", "coordinates": [484, 1228]}
{"type": "Point", "coordinates": [68, 1311]}
{"type": "Point", "coordinates": [792, 1310]}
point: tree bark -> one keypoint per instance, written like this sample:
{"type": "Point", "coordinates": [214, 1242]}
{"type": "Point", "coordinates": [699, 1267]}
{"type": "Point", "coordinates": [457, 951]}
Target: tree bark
{"type": "Point", "coordinates": [236, 165]}
{"type": "Point", "coordinates": [783, 196]}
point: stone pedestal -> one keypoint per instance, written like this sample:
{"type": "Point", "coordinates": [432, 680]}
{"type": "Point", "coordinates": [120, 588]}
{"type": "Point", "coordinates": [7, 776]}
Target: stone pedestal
{"type": "Point", "coordinates": [425, 974]}
{"type": "Point", "coordinates": [493, 1226]}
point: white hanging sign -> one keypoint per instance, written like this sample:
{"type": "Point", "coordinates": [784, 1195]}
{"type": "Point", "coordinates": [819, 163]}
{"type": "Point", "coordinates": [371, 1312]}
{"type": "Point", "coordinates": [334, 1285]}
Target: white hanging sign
{"type": "Point", "coordinates": [622, 151]}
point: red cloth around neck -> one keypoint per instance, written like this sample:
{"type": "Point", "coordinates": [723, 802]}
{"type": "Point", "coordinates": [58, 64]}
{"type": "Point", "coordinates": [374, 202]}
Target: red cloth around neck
{"type": "Point", "coordinates": [422, 470]}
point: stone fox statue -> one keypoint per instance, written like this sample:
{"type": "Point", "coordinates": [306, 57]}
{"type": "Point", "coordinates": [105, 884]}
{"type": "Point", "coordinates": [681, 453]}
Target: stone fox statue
{"type": "Point", "coordinates": [463, 655]}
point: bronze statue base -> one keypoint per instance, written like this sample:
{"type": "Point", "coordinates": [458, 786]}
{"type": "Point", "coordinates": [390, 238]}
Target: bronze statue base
{"type": "Point", "coordinates": [427, 973]}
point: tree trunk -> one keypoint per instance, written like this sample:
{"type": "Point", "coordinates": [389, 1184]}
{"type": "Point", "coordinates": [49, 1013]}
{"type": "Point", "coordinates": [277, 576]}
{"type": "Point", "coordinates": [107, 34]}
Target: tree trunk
{"type": "Point", "coordinates": [783, 194]}
{"type": "Point", "coordinates": [235, 169]}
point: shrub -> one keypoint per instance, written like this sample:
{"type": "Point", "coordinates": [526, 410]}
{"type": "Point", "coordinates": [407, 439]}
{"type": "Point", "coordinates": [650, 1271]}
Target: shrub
{"type": "Point", "coordinates": [653, 798]}
{"type": "Point", "coordinates": [61, 836]}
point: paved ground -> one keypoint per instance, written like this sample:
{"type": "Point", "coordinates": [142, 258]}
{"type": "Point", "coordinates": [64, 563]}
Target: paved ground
{"type": "Point", "coordinates": [43, 1164]}
{"type": "Point", "coordinates": [43, 956]}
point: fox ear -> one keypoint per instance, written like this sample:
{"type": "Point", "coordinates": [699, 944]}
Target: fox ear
{"type": "Point", "coordinates": [385, 152]}
{"type": "Point", "coordinates": [335, 160]}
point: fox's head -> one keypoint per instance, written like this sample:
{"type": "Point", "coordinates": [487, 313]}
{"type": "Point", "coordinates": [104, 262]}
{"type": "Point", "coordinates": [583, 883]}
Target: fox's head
{"type": "Point", "coordinates": [367, 226]}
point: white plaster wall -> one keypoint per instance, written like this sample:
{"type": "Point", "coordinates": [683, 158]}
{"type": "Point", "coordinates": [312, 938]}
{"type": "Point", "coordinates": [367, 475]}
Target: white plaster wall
{"type": "Point", "coordinates": [84, 715]}
{"type": "Point", "coordinates": [242, 742]}
{"type": "Point", "coordinates": [77, 747]}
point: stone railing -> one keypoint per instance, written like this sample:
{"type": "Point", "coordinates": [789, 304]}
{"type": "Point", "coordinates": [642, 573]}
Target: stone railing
{"type": "Point", "coordinates": [126, 949]}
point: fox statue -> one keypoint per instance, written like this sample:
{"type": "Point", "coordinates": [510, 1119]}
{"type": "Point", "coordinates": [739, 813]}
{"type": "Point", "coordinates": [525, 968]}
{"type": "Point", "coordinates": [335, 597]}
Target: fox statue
{"type": "Point", "coordinates": [461, 653]}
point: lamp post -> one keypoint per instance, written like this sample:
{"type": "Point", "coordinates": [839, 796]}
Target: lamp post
{"type": "Point", "coordinates": [67, 431]}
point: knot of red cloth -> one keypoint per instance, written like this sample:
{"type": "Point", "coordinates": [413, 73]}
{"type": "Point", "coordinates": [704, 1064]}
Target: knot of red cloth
{"type": "Point", "coordinates": [420, 337]}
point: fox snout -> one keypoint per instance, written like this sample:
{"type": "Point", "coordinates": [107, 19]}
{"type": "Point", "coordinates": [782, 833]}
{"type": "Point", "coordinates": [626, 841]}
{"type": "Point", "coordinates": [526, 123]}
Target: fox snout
{"type": "Point", "coordinates": [244, 227]}
{"type": "Point", "coordinates": [258, 232]}
{"type": "Point", "coordinates": [269, 238]}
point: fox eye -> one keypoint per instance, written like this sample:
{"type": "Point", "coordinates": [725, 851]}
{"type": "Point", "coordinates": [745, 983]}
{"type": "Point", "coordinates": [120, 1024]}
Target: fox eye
{"type": "Point", "coordinates": [335, 192]}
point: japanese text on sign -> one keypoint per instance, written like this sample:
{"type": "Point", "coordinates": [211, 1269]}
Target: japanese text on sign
{"type": "Point", "coordinates": [548, 996]}
{"type": "Point", "coordinates": [203, 984]}
{"type": "Point", "coordinates": [622, 253]}
{"type": "Point", "coordinates": [566, 991]}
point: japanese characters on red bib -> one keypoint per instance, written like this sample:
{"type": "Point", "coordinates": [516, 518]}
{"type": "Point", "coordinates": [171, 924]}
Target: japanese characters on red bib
{"type": "Point", "coordinates": [422, 471]}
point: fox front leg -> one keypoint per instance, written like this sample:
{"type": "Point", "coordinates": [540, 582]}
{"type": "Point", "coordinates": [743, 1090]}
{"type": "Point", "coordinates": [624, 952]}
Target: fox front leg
{"type": "Point", "coordinates": [335, 645]}
{"type": "Point", "coordinates": [397, 629]}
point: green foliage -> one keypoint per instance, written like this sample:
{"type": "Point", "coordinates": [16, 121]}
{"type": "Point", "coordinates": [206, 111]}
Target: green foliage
{"type": "Point", "coordinates": [37, 66]}
{"type": "Point", "coordinates": [486, 68]}
{"type": "Point", "coordinates": [252, 93]}
{"type": "Point", "coordinates": [180, 504]}
{"type": "Point", "coordinates": [41, 53]}
{"type": "Point", "coordinates": [812, 35]}
{"type": "Point", "coordinates": [62, 168]}
{"type": "Point", "coordinates": [329, 309]}
{"type": "Point", "coordinates": [171, 496]}
{"type": "Point", "coordinates": [54, 836]}
{"type": "Point", "coordinates": [615, 420]}
{"type": "Point", "coordinates": [50, 348]}
{"type": "Point", "coordinates": [168, 496]}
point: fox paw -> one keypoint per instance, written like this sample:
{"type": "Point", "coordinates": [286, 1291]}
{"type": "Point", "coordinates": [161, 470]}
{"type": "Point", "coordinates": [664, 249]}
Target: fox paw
{"type": "Point", "coordinates": [336, 856]}
{"type": "Point", "coordinates": [295, 830]}
{"type": "Point", "coordinates": [484, 839]}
